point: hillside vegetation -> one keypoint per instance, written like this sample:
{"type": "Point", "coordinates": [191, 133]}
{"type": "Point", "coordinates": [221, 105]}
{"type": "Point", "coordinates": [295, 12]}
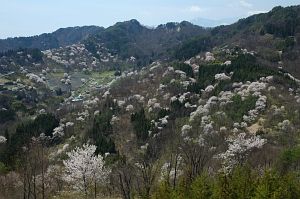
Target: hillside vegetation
{"type": "Point", "coordinates": [175, 111]}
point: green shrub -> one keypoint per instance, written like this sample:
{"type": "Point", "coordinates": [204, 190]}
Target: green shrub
{"type": "Point", "coordinates": [201, 188]}
{"type": "Point", "coordinates": [242, 183]}
{"type": "Point", "coordinates": [289, 159]}
{"type": "Point", "coordinates": [44, 123]}
{"type": "Point", "coordinates": [3, 168]}
{"type": "Point", "coordinates": [141, 125]}
{"type": "Point", "coordinates": [238, 107]}
{"type": "Point", "coordinates": [192, 47]}
{"type": "Point", "coordinates": [7, 115]}
{"type": "Point", "coordinates": [273, 186]}
{"type": "Point", "coordinates": [185, 68]}
{"type": "Point", "coordinates": [101, 132]}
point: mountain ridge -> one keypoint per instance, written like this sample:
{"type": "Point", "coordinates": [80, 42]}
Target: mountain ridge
{"type": "Point", "coordinates": [274, 36]}
{"type": "Point", "coordinates": [175, 111]}
{"type": "Point", "coordinates": [60, 37]}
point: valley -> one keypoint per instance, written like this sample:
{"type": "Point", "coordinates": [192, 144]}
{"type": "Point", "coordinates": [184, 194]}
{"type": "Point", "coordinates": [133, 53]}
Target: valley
{"type": "Point", "coordinates": [176, 111]}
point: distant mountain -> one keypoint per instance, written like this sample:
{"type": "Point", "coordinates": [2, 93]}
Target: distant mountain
{"type": "Point", "coordinates": [162, 128]}
{"type": "Point", "coordinates": [275, 36]}
{"type": "Point", "coordinates": [213, 22]}
{"type": "Point", "coordinates": [130, 38]}
{"type": "Point", "coordinates": [59, 38]}
{"type": "Point", "coordinates": [126, 39]}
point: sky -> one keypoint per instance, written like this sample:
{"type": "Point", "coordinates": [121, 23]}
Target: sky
{"type": "Point", "coordinates": [33, 17]}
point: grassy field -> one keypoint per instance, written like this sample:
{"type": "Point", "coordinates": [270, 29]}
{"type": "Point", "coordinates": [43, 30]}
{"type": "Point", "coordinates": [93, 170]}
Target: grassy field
{"type": "Point", "coordinates": [99, 78]}
{"type": "Point", "coordinates": [91, 78]}
{"type": "Point", "coordinates": [103, 77]}
{"type": "Point", "coordinates": [3, 80]}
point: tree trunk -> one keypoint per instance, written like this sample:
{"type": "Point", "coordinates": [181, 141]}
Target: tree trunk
{"type": "Point", "coordinates": [175, 171]}
{"type": "Point", "coordinates": [43, 175]}
{"type": "Point", "coordinates": [85, 187]}
{"type": "Point", "coordinates": [24, 187]}
{"type": "Point", "coordinates": [34, 187]}
{"type": "Point", "coordinates": [29, 189]}
{"type": "Point", "coordinates": [95, 189]}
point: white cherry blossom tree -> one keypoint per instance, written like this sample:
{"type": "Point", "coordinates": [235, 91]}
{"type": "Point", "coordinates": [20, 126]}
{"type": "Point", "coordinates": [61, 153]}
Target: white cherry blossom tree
{"type": "Point", "coordinates": [83, 168]}
{"type": "Point", "coordinates": [238, 149]}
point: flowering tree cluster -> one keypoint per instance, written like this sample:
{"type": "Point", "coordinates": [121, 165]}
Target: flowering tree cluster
{"type": "Point", "coordinates": [238, 149]}
{"type": "Point", "coordinates": [84, 168]}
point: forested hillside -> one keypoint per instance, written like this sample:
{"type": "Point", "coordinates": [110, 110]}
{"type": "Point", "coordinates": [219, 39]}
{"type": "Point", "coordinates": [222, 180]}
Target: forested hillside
{"type": "Point", "coordinates": [274, 36]}
{"type": "Point", "coordinates": [175, 111]}
{"type": "Point", "coordinates": [59, 38]}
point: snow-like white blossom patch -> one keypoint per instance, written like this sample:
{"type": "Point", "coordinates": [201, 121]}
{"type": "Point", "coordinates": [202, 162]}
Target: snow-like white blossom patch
{"type": "Point", "coordinates": [223, 129]}
{"type": "Point", "coordinates": [209, 57]}
{"type": "Point", "coordinates": [139, 98]}
{"type": "Point", "coordinates": [260, 106]}
{"type": "Point", "coordinates": [63, 149]}
{"type": "Point", "coordinates": [225, 97]}
{"type": "Point", "coordinates": [35, 78]}
{"type": "Point", "coordinates": [2, 139]}
{"type": "Point", "coordinates": [227, 63]}
{"type": "Point", "coordinates": [121, 103]}
{"type": "Point", "coordinates": [185, 130]}
{"type": "Point", "coordinates": [151, 102]}
{"type": "Point", "coordinates": [222, 77]}
{"type": "Point", "coordinates": [285, 125]}
{"type": "Point", "coordinates": [209, 89]}
{"type": "Point", "coordinates": [181, 73]}
{"type": "Point", "coordinates": [114, 120]}
{"type": "Point", "coordinates": [96, 112]}
{"type": "Point", "coordinates": [238, 149]}
{"type": "Point", "coordinates": [83, 167]}
{"type": "Point", "coordinates": [129, 108]}
{"type": "Point", "coordinates": [107, 93]}
{"type": "Point", "coordinates": [69, 124]}
{"type": "Point", "coordinates": [58, 131]}
{"type": "Point", "coordinates": [173, 99]}
{"type": "Point", "coordinates": [164, 120]}
{"type": "Point", "coordinates": [201, 110]}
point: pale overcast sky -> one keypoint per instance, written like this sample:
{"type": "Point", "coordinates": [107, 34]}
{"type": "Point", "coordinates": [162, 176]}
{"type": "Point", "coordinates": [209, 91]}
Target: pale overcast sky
{"type": "Point", "coordinates": [32, 17]}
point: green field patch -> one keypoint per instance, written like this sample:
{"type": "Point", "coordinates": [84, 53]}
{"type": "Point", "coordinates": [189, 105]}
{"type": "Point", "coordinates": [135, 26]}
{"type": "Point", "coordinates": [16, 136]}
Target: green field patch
{"type": "Point", "coordinates": [3, 80]}
{"type": "Point", "coordinates": [103, 77]}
